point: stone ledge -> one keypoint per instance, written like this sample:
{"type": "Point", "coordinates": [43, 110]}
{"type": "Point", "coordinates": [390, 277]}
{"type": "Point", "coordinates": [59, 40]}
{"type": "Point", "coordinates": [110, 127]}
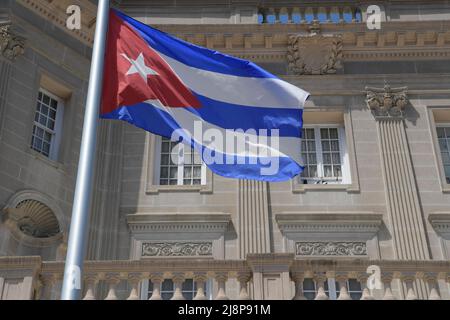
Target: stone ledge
{"type": "Point", "coordinates": [185, 222]}
{"type": "Point", "coordinates": [441, 223]}
{"type": "Point", "coordinates": [329, 226]}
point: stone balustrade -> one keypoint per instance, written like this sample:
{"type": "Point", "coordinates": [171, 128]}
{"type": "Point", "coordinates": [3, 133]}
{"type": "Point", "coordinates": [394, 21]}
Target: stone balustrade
{"type": "Point", "coordinates": [30, 278]}
{"type": "Point", "coordinates": [345, 12]}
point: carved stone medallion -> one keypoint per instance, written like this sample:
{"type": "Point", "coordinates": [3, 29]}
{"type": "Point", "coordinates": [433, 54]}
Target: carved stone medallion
{"type": "Point", "coordinates": [314, 53]}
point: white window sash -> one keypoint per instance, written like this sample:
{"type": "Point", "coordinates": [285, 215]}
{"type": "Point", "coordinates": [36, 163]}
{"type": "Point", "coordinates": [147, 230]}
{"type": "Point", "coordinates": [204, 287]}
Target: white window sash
{"type": "Point", "coordinates": [55, 141]}
{"type": "Point", "coordinates": [345, 159]}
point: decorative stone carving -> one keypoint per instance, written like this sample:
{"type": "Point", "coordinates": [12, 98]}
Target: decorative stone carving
{"type": "Point", "coordinates": [331, 249]}
{"type": "Point", "coordinates": [314, 53]}
{"type": "Point", "coordinates": [177, 249]}
{"type": "Point", "coordinates": [387, 102]}
{"type": "Point", "coordinates": [11, 45]}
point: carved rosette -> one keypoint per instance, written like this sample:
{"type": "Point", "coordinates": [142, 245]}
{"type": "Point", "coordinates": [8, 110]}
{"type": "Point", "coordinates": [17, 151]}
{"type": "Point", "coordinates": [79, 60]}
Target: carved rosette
{"type": "Point", "coordinates": [11, 46]}
{"type": "Point", "coordinates": [177, 249]}
{"type": "Point", "coordinates": [314, 54]}
{"type": "Point", "coordinates": [387, 102]}
{"type": "Point", "coordinates": [331, 249]}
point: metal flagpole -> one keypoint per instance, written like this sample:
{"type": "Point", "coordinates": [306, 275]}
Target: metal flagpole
{"type": "Point", "coordinates": [76, 250]}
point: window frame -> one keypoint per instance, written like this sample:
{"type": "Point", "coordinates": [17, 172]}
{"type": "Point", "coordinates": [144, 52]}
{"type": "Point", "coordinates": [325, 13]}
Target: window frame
{"type": "Point", "coordinates": [350, 186]}
{"type": "Point", "coordinates": [180, 167]}
{"type": "Point", "coordinates": [433, 123]}
{"type": "Point", "coordinates": [56, 132]}
{"type": "Point", "coordinates": [439, 153]}
{"type": "Point", "coordinates": [343, 154]}
{"type": "Point", "coordinates": [152, 163]}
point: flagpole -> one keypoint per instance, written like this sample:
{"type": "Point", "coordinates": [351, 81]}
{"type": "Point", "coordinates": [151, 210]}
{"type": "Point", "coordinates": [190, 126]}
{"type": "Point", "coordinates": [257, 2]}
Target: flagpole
{"type": "Point", "coordinates": [76, 250]}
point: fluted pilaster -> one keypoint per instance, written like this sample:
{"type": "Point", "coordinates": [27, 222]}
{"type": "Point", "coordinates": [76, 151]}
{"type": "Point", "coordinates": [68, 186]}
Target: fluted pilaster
{"type": "Point", "coordinates": [5, 74]}
{"type": "Point", "coordinates": [254, 235]}
{"type": "Point", "coordinates": [388, 106]}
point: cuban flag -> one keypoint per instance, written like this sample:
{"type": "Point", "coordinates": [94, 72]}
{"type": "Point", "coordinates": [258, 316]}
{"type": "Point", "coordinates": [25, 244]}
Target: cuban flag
{"type": "Point", "coordinates": [239, 117]}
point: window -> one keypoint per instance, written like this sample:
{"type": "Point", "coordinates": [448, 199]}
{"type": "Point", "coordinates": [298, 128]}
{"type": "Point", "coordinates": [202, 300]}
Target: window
{"type": "Point", "coordinates": [332, 289]}
{"type": "Point", "coordinates": [325, 156]}
{"type": "Point", "coordinates": [187, 171]}
{"type": "Point", "coordinates": [189, 289]}
{"type": "Point", "coordinates": [47, 125]}
{"type": "Point", "coordinates": [443, 133]}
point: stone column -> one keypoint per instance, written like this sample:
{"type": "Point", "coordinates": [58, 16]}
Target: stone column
{"type": "Point", "coordinates": [403, 205]}
{"type": "Point", "coordinates": [253, 213]}
{"type": "Point", "coordinates": [11, 47]}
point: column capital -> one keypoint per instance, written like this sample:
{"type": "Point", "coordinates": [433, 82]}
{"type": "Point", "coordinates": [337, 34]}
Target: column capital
{"type": "Point", "coordinates": [11, 45]}
{"type": "Point", "coordinates": [387, 102]}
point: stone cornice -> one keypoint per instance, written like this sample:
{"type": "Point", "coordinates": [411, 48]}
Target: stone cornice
{"type": "Point", "coordinates": [441, 223]}
{"type": "Point", "coordinates": [55, 11]}
{"type": "Point", "coordinates": [315, 222]}
{"type": "Point", "coordinates": [186, 222]}
{"type": "Point", "coordinates": [397, 40]}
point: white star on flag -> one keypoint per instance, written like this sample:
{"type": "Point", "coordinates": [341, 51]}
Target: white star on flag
{"type": "Point", "coordinates": [139, 66]}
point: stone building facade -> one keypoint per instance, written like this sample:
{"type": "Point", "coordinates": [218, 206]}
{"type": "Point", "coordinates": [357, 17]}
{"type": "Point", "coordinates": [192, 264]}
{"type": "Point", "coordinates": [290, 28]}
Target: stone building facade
{"type": "Point", "coordinates": [377, 146]}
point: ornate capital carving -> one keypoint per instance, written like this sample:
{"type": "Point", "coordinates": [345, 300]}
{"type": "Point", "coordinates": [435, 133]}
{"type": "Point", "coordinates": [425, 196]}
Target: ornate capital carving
{"type": "Point", "coordinates": [331, 249]}
{"type": "Point", "coordinates": [11, 45]}
{"type": "Point", "coordinates": [177, 249]}
{"type": "Point", "coordinates": [387, 102]}
{"type": "Point", "coordinates": [314, 53]}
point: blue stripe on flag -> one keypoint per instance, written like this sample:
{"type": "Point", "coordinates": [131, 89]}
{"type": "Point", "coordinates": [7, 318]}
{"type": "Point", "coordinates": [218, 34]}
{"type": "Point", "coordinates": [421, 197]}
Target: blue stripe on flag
{"type": "Point", "coordinates": [232, 116]}
{"type": "Point", "coordinates": [195, 56]}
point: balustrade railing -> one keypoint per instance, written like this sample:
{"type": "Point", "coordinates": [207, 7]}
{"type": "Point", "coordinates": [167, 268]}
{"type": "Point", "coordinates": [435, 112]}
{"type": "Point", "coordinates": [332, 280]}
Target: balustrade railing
{"type": "Point", "coordinates": [307, 13]}
{"type": "Point", "coordinates": [30, 278]}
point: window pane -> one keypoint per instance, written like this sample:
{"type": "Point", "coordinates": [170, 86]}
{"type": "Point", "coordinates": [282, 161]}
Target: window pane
{"type": "Point", "coordinates": [43, 120]}
{"type": "Point", "coordinates": [310, 134]}
{"type": "Point", "coordinates": [313, 171]}
{"type": "Point", "coordinates": [324, 134]}
{"type": "Point", "coordinates": [197, 172]}
{"type": "Point", "coordinates": [446, 158]}
{"type": "Point", "coordinates": [336, 158]}
{"type": "Point", "coordinates": [46, 99]}
{"type": "Point", "coordinates": [173, 172]}
{"type": "Point", "coordinates": [188, 173]}
{"type": "Point", "coordinates": [311, 146]}
{"type": "Point", "coordinates": [327, 158]}
{"type": "Point", "coordinates": [334, 145]}
{"type": "Point", "coordinates": [441, 132]}
{"type": "Point", "coordinates": [165, 146]}
{"type": "Point", "coordinates": [165, 159]}
{"type": "Point", "coordinates": [447, 171]}
{"type": "Point", "coordinates": [337, 171]}
{"type": "Point", "coordinates": [334, 133]}
{"type": "Point", "coordinates": [325, 146]}
{"type": "Point", "coordinates": [312, 158]}
{"type": "Point", "coordinates": [164, 172]}
{"type": "Point", "coordinates": [54, 104]}
{"type": "Point", "coordinates": [443, 145]}
{"type": "Point", "coordinates": [328, 172]}
{"type": "Point", "coordinates": [447, 132]}
{"type": "Point", "coordinates": [44, 110]}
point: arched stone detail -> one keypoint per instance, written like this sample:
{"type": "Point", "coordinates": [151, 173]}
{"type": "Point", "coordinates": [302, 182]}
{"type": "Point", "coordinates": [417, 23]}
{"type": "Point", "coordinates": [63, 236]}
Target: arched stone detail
{"type": "Point", "coordinates": [34, 219]}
